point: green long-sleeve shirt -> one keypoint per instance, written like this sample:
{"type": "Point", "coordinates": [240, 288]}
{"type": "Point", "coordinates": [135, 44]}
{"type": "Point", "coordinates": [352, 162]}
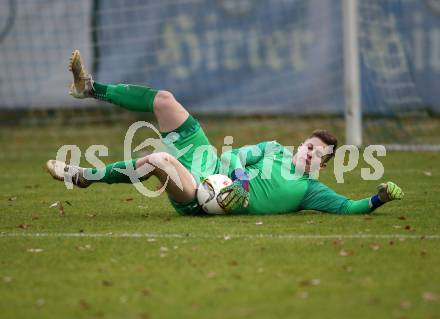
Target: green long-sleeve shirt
{"type": "Point", "coordinates": [276, 189]}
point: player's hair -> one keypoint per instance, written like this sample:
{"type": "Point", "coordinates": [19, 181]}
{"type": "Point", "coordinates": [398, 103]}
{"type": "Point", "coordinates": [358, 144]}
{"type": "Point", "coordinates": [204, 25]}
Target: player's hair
{"type": "Point", "coordinates": [328, 139]}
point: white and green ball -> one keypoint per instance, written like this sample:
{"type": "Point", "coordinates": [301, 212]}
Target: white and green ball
{"type": "Point", "coordinates": [209, 190]}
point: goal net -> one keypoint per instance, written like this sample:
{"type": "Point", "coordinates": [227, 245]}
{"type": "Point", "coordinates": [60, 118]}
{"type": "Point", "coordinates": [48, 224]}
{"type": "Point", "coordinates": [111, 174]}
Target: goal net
{"type": "Point", "coordinates": [228, 58]}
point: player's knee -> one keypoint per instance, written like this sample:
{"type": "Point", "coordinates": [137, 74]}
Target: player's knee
{"type": "Point", "coordinates": [160, 159]}
{"type": "Point", "coordinates": [163, 99]}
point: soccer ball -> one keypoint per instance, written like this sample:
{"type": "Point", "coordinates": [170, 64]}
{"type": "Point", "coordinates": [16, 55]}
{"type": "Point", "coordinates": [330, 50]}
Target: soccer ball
{"type": "Point", "coordinates": [208, 191]}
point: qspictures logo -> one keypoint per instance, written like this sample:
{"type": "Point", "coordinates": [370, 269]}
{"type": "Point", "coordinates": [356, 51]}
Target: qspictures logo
{"type": "Point", "coordinates": [346, 159]}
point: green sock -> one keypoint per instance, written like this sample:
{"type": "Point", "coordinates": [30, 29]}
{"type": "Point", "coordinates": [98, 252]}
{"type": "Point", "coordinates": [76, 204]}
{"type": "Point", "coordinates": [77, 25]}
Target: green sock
{"type": "Point", "coordinates": [111, 175]}
{"type": "Point", "coordinates": [131, 97]}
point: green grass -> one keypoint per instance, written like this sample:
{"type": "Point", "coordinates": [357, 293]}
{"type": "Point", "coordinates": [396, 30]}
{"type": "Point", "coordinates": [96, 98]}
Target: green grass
{"type": "Point", "coordinates": [210, 267]}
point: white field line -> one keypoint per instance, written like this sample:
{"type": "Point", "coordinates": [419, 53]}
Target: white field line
{"type": "Point", "coordinates": [224, 237]}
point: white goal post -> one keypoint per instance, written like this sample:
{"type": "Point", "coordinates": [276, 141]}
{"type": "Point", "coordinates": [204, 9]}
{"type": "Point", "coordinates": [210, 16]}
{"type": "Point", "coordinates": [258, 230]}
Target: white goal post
{"type": "Point", "coordinates": [352, 86]}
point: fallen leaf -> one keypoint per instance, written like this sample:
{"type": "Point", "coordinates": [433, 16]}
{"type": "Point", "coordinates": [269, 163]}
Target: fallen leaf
{"type": "Point", "coordinates": [408, 227]}
{"type": "Point", "coordinates": [91, 215]}
{"type": "Point", "coordinates": [85, 247]}
{"type": "Point", "coordinates": [145, 292]}
{"type": "Point", "coordinates": [405, 304]}
{"type": "Point", "coordinates": [227, 237]}
{"type": "Point", "coordinates": [310, 282]}
{"type": "Point", "coordinates": [35, 250]}
{"type": "Point", "coordinates": [427, 173]}
{"type": "Point", "coordinates": [310, 222]}
{"type": "Point", "coordinates": [338, 242]}
{"type": "Point", "coordinates": [84, 304]}
{"type": "Point", "coordinates": [144, 315]}
{"type": "Point", "coordinates": [402, 217]}
{"type": "Point", "coordinates": [128, 199]}
{"type": "Point", "coordinates": [12, 199]}
{"type": "Point", "coordinates": [35, 217]}
{"type": "Point", "coordinates": [7, 280]}
{"type": "Point", "coordinates": [303, 294]}
{"type": "Point", "coordinates": [375, 246]}
{"type": "Point", "coordinates": [24, 226]}
{"type": "Point", "coordinates": [430, 296]}
{"type": "Point", "coordinates": [345, 253]}
{"type": "Point", "coordinates": [60, 207]}
{"type": "Point", "coordinates": [40, 302]}
{"type": "Point", "coordinates": [347, 268]}
{"type": "Point", "coordinates": [259, 223]}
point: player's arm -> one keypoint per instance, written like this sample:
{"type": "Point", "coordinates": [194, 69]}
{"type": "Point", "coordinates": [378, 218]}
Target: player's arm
{"type": "Point", "coordinates": [321, 198]}
{"type": "Point", "coordinates": [234, 163]}
{"type": "Point", "coordinates": [245, 156]}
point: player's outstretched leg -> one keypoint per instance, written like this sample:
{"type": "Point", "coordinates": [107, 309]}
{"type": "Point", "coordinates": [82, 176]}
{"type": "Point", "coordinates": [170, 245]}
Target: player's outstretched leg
{"type": "Point", "coordinates": [169, 112]}
{"type": "Point", "coordinates": [180, 184]}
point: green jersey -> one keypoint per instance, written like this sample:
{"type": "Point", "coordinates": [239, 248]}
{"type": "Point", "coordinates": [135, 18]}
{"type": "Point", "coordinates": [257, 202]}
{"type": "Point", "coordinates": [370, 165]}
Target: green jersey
{"type": "Point", "coordinates": [276, 187]}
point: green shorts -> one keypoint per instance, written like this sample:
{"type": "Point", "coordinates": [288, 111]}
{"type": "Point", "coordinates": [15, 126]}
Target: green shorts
{"type": "Point", "coordinates": [189, 144]}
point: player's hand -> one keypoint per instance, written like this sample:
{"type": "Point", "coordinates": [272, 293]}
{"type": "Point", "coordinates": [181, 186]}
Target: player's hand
{"type": "Point", "coordinates": [389, 191]}
{"type": "Point", "coordinates": [235, 195]}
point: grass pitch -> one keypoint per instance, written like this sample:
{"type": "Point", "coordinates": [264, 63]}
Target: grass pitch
{"type": "Point", "coordinates": [116, 254]}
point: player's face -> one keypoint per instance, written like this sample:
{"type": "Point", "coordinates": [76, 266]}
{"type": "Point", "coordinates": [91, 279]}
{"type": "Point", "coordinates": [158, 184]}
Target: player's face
{"type": "Point", "coordinates": [311, 155]}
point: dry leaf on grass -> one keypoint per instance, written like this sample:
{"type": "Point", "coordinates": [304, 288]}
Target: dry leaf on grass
{"type": "Point", "coordinates": [85, 247]}
{"type": "Point", "coordinates": [35, 250]}
{"type": "Point", "coordinates": [303, 295]}
{"type": "Point", "coordinates": [211, 274]}
{"type": "Point", "coordinates": [430, 296]}
{"type": "Point", "coordinates": [7, 279]}
{"type": "Point", "coordinates": [405, 304]}
{"type": "Point", "coordinates": [338, 242]}
{"type": "Point", "coordinates": [345, 253]}
{"type": "Point", "coordinates": [23, 226]}
{"type": "Point", "coordinates": [145, 292]}
{"type": "Point", "coordinates": [40, 302]}
{"type": "Point", "coordinates": [60, 207]}
{"type": "Point", "coordinates": [310, 282]}
{"type": "Point", "coordinates": [84, 304]}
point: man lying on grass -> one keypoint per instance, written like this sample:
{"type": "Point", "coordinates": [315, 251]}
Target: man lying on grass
{"type": "Point", "coordinates": [269, 194]}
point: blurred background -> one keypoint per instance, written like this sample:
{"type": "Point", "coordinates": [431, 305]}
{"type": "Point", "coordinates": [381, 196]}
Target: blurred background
{"type": "Point", "coordinates": [279, 69]}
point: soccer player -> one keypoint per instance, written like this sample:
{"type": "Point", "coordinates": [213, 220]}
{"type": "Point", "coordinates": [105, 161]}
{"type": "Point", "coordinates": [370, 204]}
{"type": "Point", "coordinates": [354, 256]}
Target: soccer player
{"type": "Point", "coordinates": [271, 191]}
